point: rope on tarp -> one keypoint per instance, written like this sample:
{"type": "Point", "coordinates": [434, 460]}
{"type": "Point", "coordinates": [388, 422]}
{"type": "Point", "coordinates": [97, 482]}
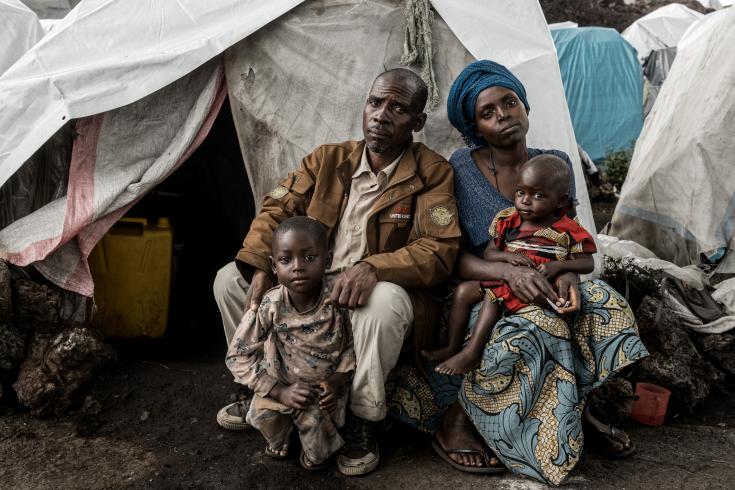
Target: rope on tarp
{"type": "Point", "coordinates": [417, 46]}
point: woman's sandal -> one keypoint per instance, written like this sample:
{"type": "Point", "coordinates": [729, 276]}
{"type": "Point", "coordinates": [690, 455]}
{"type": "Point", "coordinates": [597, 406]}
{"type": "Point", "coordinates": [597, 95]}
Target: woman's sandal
{"type": "Point", "coordinates": [308, 465]}
{"type": "Point", "coordinates": [604, 440]}
{"type": "Point", "coordinates": [487, 469]}
{"type": "Point", "coordinates": [275, 454]}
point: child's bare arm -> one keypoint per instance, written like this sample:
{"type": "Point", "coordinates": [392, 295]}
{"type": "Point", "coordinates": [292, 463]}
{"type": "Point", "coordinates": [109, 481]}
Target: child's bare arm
{"type": "Point", "coordinates": [492, 254]}
{"type": "Point", "coordinates": [579, 263]}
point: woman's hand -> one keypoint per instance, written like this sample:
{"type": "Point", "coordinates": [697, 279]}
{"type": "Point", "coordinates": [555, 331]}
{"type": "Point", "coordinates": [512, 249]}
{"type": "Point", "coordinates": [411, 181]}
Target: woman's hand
{"type": "Point", "coordinates": [530, 286]}
{"type": "Point", "coordinates": [568, 291]}
{"type": "Point", "coordinates": [519, 260]}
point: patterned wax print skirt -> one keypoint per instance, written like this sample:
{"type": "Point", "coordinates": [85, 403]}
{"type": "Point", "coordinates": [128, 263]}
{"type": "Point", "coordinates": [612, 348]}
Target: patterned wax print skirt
{"type": "Point", "coordinates": [527, 396]}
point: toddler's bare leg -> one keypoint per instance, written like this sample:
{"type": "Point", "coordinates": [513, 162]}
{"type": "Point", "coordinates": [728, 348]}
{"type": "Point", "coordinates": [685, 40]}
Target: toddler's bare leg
{"type": "Point", "coordinates": [469, 357]}
{"type": "Point", "coordinates": [466, 295]}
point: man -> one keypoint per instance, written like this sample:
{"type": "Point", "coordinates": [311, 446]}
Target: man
{"type": "Point", "coordinates": [388, 206]}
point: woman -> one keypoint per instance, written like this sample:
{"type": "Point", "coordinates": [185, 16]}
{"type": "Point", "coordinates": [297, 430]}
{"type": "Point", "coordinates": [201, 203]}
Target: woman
{"type": "Point", "coordinates": [526, 400]}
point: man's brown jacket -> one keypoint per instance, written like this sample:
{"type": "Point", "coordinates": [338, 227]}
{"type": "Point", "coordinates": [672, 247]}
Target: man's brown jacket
{"type": "Point", "coordinates": [412, 230]}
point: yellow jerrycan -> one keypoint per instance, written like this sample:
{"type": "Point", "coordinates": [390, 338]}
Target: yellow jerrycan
{"type": "Point", "coordinates": [131, 267]}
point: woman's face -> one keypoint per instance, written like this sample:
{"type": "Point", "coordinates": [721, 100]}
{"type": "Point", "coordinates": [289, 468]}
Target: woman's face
{"type": "Point", "coordinates": [500, 117]}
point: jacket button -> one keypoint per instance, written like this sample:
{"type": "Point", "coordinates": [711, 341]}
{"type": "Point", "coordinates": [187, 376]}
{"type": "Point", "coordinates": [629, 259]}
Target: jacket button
{"type": "Point", "coordinates": [410, 186]}
{"type": "Point", "coordinates": [390, 197]}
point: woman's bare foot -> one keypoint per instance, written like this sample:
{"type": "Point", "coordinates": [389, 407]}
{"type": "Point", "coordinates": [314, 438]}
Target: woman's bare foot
{"type": "Point", "coordinates": [439, 355]}
{"type": "Point", "coordinates": [457, 432]}
{"type": "Point", "coordinates": [461, 363]}
{"type": "Point", "coordinates": [612, 442]}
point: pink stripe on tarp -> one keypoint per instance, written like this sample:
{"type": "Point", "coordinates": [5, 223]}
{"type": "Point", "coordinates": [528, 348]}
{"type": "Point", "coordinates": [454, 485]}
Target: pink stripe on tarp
{"type": "Point", "coordinates": [81, 279]}
{"type": "Point", "coordinates": [41, 248]}
{"type": "Point", "coordinates": [80, 194]}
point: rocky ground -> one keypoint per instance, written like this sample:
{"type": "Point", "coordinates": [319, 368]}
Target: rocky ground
{"type": "Point", "coordinates": [617, 14]}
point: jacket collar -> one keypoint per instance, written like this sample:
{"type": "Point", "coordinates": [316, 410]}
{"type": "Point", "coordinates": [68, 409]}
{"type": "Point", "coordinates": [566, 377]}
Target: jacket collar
{"type": "Point", "coordinates": [347, 167]}
{"type": "Point", "coordinates": [406, 166]}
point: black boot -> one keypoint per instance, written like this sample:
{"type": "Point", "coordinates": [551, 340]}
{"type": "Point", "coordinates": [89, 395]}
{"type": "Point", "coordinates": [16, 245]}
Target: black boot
{"type": "Point", "coordinates": [360, 454]}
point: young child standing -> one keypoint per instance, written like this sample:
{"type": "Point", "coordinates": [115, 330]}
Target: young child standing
{"type": "Point", "coordinates": [296, 351]}
{"type": "Point", "coordinates": [536, 233]}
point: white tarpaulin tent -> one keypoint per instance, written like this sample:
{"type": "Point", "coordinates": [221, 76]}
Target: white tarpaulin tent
{"type": "Point", "coordinates": [125, 53]}
{"type": "Point", "coordinates": [51, 9]}
{"type": "Point", "coordinates": [678, 199]}
{"type": "Point", "coordinates": [716, 4]}
{"type": "Point", "coordinates": [660, 29]}
{"type": "Point", "coordinates": [567, 24]}
{"type": "Point", "coordinates": [19, 31]}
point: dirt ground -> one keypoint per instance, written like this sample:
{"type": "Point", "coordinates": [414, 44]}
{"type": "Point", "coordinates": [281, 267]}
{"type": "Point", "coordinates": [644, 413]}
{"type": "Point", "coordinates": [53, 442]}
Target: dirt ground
{"type": "Point", "coordinates": [155, 428]}
{"type": "Point", "coordinates": [602, 212]}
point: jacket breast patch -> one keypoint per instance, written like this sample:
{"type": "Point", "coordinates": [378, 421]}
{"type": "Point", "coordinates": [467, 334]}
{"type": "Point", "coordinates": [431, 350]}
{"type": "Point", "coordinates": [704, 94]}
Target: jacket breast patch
{"type": "Point", "coordinates": [400, 213]}
{"type": "Point", "coordinates": [441, 215]}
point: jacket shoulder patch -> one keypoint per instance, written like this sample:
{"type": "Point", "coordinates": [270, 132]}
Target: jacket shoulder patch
{"type": "Point", "coordinates": [278, 192]}
{"type": "Point", "coordinates": [441, 215]}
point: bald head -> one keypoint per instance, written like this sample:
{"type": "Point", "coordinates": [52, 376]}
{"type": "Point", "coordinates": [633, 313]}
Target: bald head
{"type": "Point", "coordinates": [404, 76]}
{"type": "Point", "coordinates": [552, 170]}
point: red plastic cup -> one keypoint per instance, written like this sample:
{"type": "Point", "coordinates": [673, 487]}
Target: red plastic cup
{"type": "Point", "coordinates": [650, 407]}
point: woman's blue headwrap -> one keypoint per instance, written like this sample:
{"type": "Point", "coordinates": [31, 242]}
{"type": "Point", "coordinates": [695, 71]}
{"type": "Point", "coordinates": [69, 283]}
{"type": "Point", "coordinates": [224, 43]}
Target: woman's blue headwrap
{"type": "Point", "coordinates": [475, 78]}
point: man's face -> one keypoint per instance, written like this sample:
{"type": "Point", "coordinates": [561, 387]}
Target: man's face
{"type": "Point", "coordinates": [389, 117]}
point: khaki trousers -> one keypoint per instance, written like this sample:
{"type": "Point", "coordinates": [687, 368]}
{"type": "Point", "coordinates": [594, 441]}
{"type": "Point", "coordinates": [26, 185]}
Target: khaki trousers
{"type": "Point", "coordinates": [379, 329]}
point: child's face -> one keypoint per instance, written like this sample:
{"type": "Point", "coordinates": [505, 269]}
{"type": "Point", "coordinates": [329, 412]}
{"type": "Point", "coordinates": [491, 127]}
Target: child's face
{"type": "Point", "coordinates": [537, 196]}
{"type": "Point", "coordinates": [299, 261]}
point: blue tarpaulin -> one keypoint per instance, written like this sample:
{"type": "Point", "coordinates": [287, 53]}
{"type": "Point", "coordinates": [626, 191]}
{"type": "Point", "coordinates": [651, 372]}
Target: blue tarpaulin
{"type": "Point", "coordinates": [603, 83]}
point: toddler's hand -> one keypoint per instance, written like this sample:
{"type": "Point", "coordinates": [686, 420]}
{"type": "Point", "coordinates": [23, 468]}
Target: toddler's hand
{"type": "Point", "coordinates": [297, 395]}
{"type": "Point", "coordinates": [327, 397]}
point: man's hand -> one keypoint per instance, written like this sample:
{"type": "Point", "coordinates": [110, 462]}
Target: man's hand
{"type": "Point", "coordinates": [530, 286]}
{"type": "Point", "coordinates": [258, 286]}
{"type": "Point", "coordinates": [566, 285]}
{"type": "Point", "coordinates": [297, 395]}
{"type": "Point", "coordinates": [353, 287]}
